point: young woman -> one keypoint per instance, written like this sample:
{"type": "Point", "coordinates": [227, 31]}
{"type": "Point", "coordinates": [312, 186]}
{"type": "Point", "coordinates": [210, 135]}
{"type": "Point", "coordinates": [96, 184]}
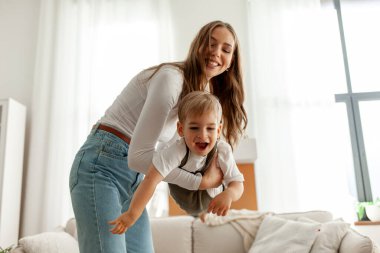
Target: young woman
{"type": "Point", "coordinates": [110, 165]}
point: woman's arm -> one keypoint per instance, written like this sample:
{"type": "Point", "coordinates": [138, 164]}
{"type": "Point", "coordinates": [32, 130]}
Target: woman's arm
{"type": "Point", "coordinates": [213, 176]}
{"type": "Point", "coordinates": [157, 113]}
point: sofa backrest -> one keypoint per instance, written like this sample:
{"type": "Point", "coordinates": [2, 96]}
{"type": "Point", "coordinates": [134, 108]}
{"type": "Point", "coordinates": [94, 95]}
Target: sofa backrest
{"type": "Point", "coordinates": [318, 216]}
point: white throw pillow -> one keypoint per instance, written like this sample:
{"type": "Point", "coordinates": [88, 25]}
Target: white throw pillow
{"type": "Point", "coordinates": [285, 236]}
{"type": "Point", "coordinates": [330, 236]}
{"type": "Point", "coordinates": [50, 242]}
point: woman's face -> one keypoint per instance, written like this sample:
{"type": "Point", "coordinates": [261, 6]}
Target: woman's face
{"type": "Point", "coordinates": [220, 52]}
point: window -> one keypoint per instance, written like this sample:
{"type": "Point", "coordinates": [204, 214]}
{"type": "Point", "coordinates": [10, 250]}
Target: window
{"type": "Point", "coordinates": [358, 25]}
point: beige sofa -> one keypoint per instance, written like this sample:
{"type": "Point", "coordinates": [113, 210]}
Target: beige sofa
{"type": "Point", "coordinates": [185, 234]}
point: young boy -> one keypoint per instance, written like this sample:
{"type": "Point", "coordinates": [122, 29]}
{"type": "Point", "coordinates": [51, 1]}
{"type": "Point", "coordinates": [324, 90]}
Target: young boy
{"type": "Point", "coordinates": [200, 127]}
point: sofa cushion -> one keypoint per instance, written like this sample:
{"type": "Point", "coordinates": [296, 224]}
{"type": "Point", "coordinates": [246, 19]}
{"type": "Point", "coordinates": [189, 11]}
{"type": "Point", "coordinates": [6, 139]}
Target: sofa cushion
{"type": "Point", "coordinates": [246, 222]}
{"type": "Point", "coordinates": [282, 235]}
{"type": "Point", "coordinates": [49, 242]}
{"type": "Point", "coordinates": [71, 228]}
{"type": "Point", "coordinates": [353, 242]}
{"type": "Point", "coordinates": [172, 234]}
{"type": "Point", "coordinates": [216, 239]}
{"type": "Point", "coordinates": [330, 236]}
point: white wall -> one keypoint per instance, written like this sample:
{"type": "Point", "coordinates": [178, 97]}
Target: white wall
{"type": "Point", "coordinates": [18, 39]}
{"type": "Point", "coordinates": [190, 16]}
{"type": "Point", "coordinates": [18, 33]}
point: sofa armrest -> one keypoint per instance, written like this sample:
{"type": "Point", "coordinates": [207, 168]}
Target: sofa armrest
{"type": "Point", "coordinates": [353, 242]}
{"type": "Point", "coordinates": [18, 249]}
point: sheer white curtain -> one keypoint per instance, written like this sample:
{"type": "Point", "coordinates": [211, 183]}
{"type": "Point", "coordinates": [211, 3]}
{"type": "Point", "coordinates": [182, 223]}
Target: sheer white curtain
{"type": "Point", "coordinates": [87, 51]}
{"type": "Point", "coordinates": [304, 155]}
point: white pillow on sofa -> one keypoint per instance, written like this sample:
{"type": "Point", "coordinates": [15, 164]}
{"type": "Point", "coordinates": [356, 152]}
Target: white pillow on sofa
{"type": "Point", "coordinates": [285, 236]}
{"type": "Point", "coordinates": [49, 242]}
{"type": "Point", "coordinates": [330, 236]}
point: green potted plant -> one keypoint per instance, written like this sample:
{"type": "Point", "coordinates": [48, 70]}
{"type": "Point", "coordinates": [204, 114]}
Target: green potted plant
{"type": "Point", "coordinates": [360, 210]}
{"type": "Point", "coordinates": [6, 250]}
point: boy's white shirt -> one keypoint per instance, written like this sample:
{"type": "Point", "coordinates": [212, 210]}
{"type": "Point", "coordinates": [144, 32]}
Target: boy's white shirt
{"type": "Point", "coordinates": [169, 158]}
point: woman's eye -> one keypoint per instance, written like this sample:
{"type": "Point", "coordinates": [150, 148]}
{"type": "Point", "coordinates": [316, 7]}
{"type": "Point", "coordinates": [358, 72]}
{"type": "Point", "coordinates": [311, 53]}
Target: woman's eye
{"type": "Point", "coordinates": [211, 129]}
{"type": "Point", "coordinates": [227, 51]}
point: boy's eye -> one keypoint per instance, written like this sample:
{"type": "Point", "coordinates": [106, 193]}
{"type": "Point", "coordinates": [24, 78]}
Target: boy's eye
{"type": "Point", "coordinates": [193, 128]}
{"type": "Point", "coordinates": [211, 128]}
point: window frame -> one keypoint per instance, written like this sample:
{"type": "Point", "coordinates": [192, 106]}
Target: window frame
{"type": "Point", "coordinates": [362, 178]}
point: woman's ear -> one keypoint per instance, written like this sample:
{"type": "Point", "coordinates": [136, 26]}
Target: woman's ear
{"type": "Point", "coordinates": [180, 129]}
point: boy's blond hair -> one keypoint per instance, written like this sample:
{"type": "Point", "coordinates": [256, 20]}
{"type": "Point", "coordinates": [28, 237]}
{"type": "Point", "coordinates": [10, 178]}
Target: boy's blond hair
{"type": "Point", "coordinates": [197, 103]}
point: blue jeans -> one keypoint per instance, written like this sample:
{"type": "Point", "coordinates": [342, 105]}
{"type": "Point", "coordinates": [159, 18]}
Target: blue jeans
{"type": "Point", "coordinates": [101, 187]}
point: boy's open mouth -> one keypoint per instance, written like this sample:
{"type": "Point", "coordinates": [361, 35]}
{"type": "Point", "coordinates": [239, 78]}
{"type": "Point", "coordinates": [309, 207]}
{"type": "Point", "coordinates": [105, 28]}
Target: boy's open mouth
{"type": "Point", "coordinates": [202, 145]}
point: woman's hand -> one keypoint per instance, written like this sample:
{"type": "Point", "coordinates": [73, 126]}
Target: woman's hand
{"type": "Point", "coordinates": [213, 176]}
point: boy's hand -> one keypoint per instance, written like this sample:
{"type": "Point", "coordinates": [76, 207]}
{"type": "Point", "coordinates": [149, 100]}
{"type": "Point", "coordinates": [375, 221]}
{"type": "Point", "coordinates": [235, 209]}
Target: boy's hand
{"type": "Point", "coordinates": [122, 223]}
{"type": "Point", "coordinates": [220, 204]}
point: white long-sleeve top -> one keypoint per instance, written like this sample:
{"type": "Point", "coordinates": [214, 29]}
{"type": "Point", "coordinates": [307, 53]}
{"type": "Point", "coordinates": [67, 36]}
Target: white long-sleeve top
{"type": "Point", "coordinates": [167, 159]}
{"type": "Point", "coordinates": [146, 110]}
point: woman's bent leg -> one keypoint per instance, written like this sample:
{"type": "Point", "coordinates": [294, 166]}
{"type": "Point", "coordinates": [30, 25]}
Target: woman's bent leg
{"type": "Point", "coordinates": [139, 236]}
{"type": "Point", "coordinates": [95, 203]}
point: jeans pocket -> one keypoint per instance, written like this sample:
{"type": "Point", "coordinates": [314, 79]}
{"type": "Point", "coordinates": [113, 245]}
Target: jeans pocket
{"type": "Point", "coordinates": [73, 179]}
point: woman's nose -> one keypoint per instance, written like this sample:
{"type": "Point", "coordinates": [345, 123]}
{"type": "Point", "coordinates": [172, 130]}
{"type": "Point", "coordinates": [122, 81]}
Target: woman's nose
{"type": "Point", "coordinates": [216, 50]}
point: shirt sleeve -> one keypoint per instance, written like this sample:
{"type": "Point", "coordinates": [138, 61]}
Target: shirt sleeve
{"type": "Point", "coordinates": [167, 162]}
{"type": "Point", "coordinates": [162, 97]}
{"type": "Point", "coordinates": [227, 163]}
{"type": "Point", "coordinates": [184, 179]}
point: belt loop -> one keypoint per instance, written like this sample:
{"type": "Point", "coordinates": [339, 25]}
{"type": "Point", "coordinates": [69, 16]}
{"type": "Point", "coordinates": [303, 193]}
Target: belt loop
{"type": "Point", "coordinates": [95, 127]}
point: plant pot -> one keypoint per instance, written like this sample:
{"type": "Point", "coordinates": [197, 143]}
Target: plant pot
{"type": "Point", "coordinates": [373, 212]}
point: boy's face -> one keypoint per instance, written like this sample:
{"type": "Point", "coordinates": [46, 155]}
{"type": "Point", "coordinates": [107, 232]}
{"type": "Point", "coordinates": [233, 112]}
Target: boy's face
{"type": "Point", "coordinates": [200, 132]}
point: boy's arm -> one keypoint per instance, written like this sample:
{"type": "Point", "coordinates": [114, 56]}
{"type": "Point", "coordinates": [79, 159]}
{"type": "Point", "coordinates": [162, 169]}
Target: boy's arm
{"type": "Point", "coordinates": [212, 178]}
{"type": "Point", "coordinates": [139, 201]}
{"type": "Point", "coordinates": [168, 160]}
{"type": "Point", "coordinates": [222, 202]}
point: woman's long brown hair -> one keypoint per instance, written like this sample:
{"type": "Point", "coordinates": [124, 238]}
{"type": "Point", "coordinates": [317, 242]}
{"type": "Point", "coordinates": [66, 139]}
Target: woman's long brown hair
{"type": "Point", "coordinates": [228, 86]}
